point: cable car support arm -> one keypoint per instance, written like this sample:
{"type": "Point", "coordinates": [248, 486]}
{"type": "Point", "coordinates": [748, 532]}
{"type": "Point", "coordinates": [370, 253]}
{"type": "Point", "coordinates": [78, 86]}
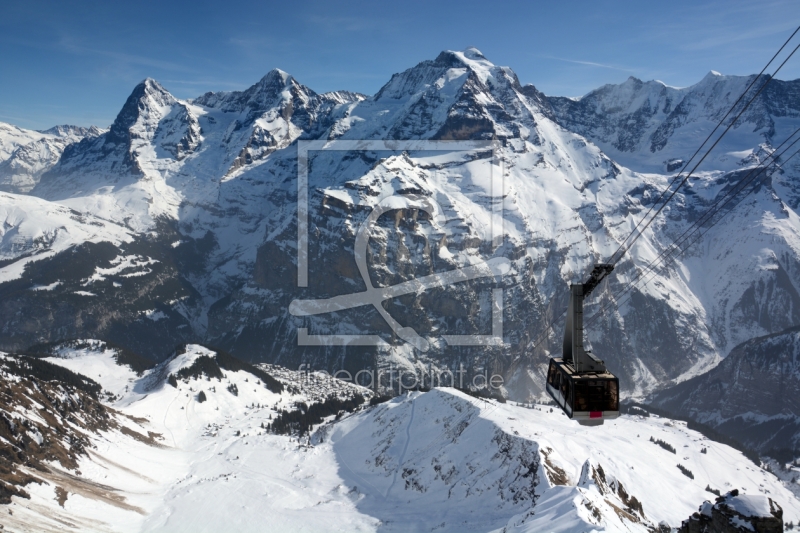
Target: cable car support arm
{"type": "Point", "coordinates": [574, 353]}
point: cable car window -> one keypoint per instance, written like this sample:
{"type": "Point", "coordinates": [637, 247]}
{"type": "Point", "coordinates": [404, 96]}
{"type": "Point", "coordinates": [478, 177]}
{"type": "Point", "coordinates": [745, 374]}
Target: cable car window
{"type": "Point", "coordinates": [596, 395]}
{"type": "Point", "coordinates": [565, 391]}
{"type": "Point", "coordinates": [551, 374]}
{"type": "Point", "coordinates": [581, 396]}
{"type": "Point", "coordinates": [612, 395]}
{"type": "Point", "coordinates": [557, 380]}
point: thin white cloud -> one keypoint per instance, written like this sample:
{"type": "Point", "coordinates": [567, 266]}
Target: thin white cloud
{"type": "Point", "coordinates": [590, 63]}
{"type": "Point", "coordinates": [69, 44]}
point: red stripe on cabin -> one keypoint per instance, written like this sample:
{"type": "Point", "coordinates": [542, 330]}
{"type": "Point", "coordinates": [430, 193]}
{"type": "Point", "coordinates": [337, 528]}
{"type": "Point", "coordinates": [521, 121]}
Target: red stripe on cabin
{"type": "Point", "coordinates": [595, 414]}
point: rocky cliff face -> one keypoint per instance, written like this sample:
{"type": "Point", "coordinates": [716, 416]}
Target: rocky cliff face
{"type": "Point", "coordinates": [205, 192]}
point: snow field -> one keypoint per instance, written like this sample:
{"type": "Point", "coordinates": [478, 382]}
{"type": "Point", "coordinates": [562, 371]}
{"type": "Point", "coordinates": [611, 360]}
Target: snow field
{"type": "Point", "coordinates": [439, 461]}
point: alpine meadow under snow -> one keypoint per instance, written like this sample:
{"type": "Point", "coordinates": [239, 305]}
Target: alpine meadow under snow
{"type": "Point", "coordinates": [179, 226]}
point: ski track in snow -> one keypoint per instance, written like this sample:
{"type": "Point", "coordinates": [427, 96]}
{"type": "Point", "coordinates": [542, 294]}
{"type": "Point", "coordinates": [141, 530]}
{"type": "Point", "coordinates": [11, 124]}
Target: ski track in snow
{"type": "Point", "coordinates": [401, 459]}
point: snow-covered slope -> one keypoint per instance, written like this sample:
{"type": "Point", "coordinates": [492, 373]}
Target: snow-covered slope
{"type": "Point", "coordinates": [114, 368]}
{"type": "Point", "coordinates": [52, 423]}
{"type": "Point", "coordinates": [32, 229]}
{"type": "Point", "coordinates": [171, 460]}
{"type": "Point", "coordinates": [443, 459]}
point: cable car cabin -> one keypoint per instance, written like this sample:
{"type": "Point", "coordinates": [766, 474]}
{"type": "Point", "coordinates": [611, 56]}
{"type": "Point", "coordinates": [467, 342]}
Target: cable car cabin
{"type": "Point", "coordinates": [588, 398]}
{"type": "Point", "coordinates": [579, 381]}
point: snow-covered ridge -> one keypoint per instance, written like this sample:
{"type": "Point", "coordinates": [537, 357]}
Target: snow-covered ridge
{"type": "Point", "coordinates": [32, 228]}
{"type": "Point", "coordinates": [439, 459]}
{"type": "Point", "coordinates": [651, 127]}
{"type": "Point", "coordinates": [479, 465]}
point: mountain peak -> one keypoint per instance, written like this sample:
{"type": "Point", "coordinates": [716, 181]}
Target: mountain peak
{"type": "Point", "coordinates": [274, 85]}
{"type": "Point", "coordinates": [151, 86]}
{"type": "Point", "coordinates": [469, 57]}
{"type": "Point", "coordinates": [712, 76]}
{"type": "Point", "coordinates": [145, 96]}
{"type": "Point", "coordinates": [276, 76]}
{"type": "Point", "coordinates": [474, 60]}
{"type": "Point", "coordinates": [473, 53]}
{"type": "Point", "coordinates": [270, 86]}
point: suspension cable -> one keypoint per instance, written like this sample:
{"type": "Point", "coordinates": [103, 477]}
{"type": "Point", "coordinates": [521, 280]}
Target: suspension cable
{"type": "Point", "coordinates": [671, 253]}
{"type": "Point", "coordinates": [624, 248]}
{"type": "Point", "coordinates": [686, 165]}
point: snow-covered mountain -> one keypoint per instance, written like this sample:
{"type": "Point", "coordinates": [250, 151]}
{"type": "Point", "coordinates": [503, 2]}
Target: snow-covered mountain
{"type": "Point", "coordinates": [190, 444]}
{"type": "Point", "coordinates": [34, 229]}
{"type": "Point", "coordinates": [208, 187]}
{"type": "Point", "coordinates": [652, 127]}
{"type": "Point", "coordinates": [26, 154]}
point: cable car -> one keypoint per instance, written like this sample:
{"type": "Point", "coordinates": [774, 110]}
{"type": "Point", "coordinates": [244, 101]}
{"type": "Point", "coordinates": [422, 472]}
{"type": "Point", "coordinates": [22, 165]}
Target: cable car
{"type": "Point", "coordinates": [578, 381]}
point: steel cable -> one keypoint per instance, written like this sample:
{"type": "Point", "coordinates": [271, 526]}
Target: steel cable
{"type": "Point", "coordinates": [675, 247]}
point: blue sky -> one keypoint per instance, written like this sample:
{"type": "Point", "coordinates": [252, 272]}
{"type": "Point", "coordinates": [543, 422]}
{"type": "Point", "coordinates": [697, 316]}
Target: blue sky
{"type": "Point", "coordinates": [76, 62]}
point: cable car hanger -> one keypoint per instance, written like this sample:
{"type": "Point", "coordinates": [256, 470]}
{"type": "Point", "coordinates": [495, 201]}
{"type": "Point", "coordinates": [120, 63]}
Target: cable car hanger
{"type": "Point", "coordinates": [578, 381]}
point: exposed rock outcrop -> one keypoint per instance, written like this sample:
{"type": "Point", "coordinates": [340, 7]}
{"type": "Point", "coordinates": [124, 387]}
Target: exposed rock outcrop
{"type": "Point", "coordinates": [735, 513]}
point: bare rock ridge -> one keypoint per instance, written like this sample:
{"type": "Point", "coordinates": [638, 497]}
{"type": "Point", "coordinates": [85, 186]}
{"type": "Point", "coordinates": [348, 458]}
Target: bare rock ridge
{"type": "Point", "coordinates": [61, 410]}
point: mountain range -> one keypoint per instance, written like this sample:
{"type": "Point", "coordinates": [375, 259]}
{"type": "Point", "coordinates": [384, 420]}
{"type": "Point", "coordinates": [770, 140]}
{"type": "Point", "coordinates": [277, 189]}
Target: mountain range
{"type": "Point", "coordinates": [173, 288]}
{"type": "Point", "coordinates": [179, 223]}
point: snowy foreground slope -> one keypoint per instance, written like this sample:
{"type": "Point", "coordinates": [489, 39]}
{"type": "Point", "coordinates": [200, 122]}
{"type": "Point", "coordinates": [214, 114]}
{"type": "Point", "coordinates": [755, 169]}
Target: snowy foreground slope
{"type": "Point", "coordinates": [435, 461]}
